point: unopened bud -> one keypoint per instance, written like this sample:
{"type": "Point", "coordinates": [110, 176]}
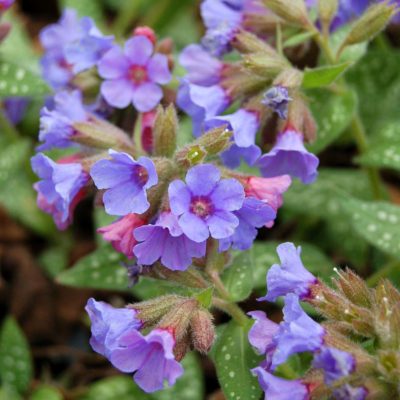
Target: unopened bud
{"type": "Point", "coordinates": [246, 42]}
{"type": "Point", "coordinates": [327, 9]}
{"type": "Point", "coordinates": [264, 65]}
{"type": "Point", "coordinates": [153, 310]}
{"type": "Point", "coordinates": [165, 131]}
{"type": "Point", "coordinates": [290, 78]}
{"type": "Point", "coordinates": [147, 32]}
{"type": "Point", "coordinates": [181, 347]}
{"type": "Point", "coordinates": [203, 332]}
{"type": "Point", "coordinates": [373, 21]}
{"type": "Point", "coordinates": [190, 156]}
{"type": "Point", "coordinates": [4, 30]}
{"type": "Point", "coordinates": [178, 318]}
{"type": "Point", "coordinates": [292, 11]}
{"type": "Point", "coordinates": [101, 134]}
{"type": "Point", "coordinates": [215, 140]}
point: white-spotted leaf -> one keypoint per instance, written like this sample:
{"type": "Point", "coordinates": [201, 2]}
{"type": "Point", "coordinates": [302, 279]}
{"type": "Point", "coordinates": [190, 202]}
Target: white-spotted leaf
{"type": "Point", "coordinates": [385, 154]}
{"type": "Point", "coordinates": [15, 358]}
{"type": "Point", "coordinates": [234, 358]}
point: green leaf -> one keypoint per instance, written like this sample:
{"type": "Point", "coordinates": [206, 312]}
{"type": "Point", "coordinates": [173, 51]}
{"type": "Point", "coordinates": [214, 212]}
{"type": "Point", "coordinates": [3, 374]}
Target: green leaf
{"type": "Point", "coordinates": [8, 393]}
{"type": "Point", "coordinates": [190, 386]}
{"type": "Point", "coordinates": [54, 260]}
{"type": "Point", "coordinates": [101, 269]}
{"type": "Point", "coordinates": [86, 8]}
{"type": "Point", "coordinates": [205, 297]}
{"type": "Point", "coordinates": [332, 113]}
{"type": "Point", "coordinates": [16, 192]}
{"type": "Point", "coordinates": [298, 39]}
{"type": "Point", "coordinates": [376, 222]}
{"type": "Point", "coordinates": [45, 392]}
{"type": "Point", "coordinates": [15, 359]}
{"type": "Point", "coordinates": [19, 81]}
{"type": "Point", "coordinates": [234, 358]}
{"type": "Point", "coordinates": [238, 277]}
{"type": "Point", "coordinates": [323, 76]}
{"type": "Point", "coordinates": [265, 256]}
{"type": "Point", "coordinates": [116, 387]}
{"type": "Point", "coordinates": [382, 155]}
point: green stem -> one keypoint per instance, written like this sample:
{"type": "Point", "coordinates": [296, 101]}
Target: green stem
{"type": "Point", "coordinates": [279, 45]}
{"type": "Point", "coordinates": [382, 273]}
{"type": "Point", "coordinates": [232, 309]}
{"type": "Point", "coordinates": [362, 144]}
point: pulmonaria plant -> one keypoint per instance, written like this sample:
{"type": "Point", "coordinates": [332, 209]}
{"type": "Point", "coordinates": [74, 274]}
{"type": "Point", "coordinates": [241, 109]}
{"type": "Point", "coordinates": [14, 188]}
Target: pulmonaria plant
{"type": "Point", "coordinates": [182, 214]}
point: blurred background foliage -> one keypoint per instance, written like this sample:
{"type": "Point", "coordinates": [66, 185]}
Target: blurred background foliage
{"type": "Point", "coordinates": [47, 276]}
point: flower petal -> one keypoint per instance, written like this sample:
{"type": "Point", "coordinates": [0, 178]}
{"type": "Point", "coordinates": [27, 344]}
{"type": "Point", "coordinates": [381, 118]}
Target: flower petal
{"type": "Point", "coordinates": [146, 96]}
{"type": "Point", "coordinates": [138, 50]}
{"type": "Point", "coordinates": [118, 93]}
{"type": "Point", "coordinates": [158, 70]}
{"type": "Point", "coordinates": [194, 227]}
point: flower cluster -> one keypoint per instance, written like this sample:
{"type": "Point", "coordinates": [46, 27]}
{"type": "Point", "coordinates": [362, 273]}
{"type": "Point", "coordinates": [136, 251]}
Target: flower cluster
{"type": "Point", "coordinates": [179, 211]}
{"type": "Point", "coordinates": [341, 368]}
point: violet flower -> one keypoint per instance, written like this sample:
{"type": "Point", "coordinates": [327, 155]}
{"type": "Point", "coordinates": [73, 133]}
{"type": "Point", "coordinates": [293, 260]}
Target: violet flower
{"type": "Point", "coordinates": [165, 241]}
{"type": "Point", "coordinates": [201, 103]}
{"type": "Point", "coordinates": [56, 126]}
{"type": "Point", "coordinates": [85, 51]}
{"type": "Point", "coordinates": [262, 332]}
{"type": "Point", "coordinates": [15, 108]}
{"type": "Point", "coordinates": [290, 157]}
{"type": "Point", "coordinates": [150, 357]}
{"type": "Point", "coordinates": [6, 4]}
{"type": "Point", "coordinates": [133, 75]}
{"type": "Point", "coordinates": [108, 323]}
{"type": "Point", "coordinates": [126, 181]}
{"type": "Point", "coordinates": [202, 68]}
{"type": "Point", "coordinates": [335, 363]}
{"type": "Point", "coordinates": [290, 276]}
{"type": "Point", "coordinates": [348, 392]}
{"type": "Point", "coordinates": [233, 157]}
{"type": "Point", "coordinates": [60, 187]}
{"type": "Point", "coordinates": [253, 214]}
{"type": "Point", "coordinates": [120, 233]}
{"type": "Point", "coordinates": [55, 68]}
{"type": "Point", "coordinates": [277, 98]}
{"type": "Point", "coordinates": [204, 204]}
{"type": "Point", "coordinates": [278, 388]}
{"type": "Point", "coordinates": [297, 333]}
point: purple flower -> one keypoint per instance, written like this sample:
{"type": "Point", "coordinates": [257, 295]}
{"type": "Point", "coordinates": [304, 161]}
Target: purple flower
{"type": "Point", "coordinates": [290, 276]}
{"type": "Point", "coordinates": [222, 19]}
{"type": "Point", "coordinates": [335, 363]}
{"type": "Point", "coordinates": [203, 69]}
{"type": "Point", "coordinates": [201, 103]}
{"type": "Point", "coordinates": [133, 75]}
{"type": "Point", "coordinates": [56, 126]}
{"type": "Point", "coordinates": [262, 332]}
{"type": "Point", "coordinates": [233, 157]}
{"type": "Point", "coordinates": [126, 181]}
{"type": "Point", "coordinates": [244, 124]}
{"type": "Point", "coordinates": [165, 241]}
{"type": "Point", "coordinates": [150, 357]}
{"type": "Point", "coordinates": [347, 392]}
{"type": "Point", "coordinates": [253, 214]}
{"type": "Point", "coordinates": [205, 204]}
{"type": "Point", "coordinates": [6, 4]}
{"type": "Point", "coordinates": [15, 108]}
{"type": "Point", "coordinates": [55, 68]}
{"type": "Point", "coordinates": [277, 98]}
{"type": "Point", "coordinates": [297, 333]}
{"type": "Point", "coordinates": [83, 52]}
{"type": "Point", "coordinates": [108, 323]}
{"type": "Point", "coordinates": [60, 187]}
{"type": "Point", "coordinates": [278, 388]}
{"type": "Point", "coordinates": [290, 157]}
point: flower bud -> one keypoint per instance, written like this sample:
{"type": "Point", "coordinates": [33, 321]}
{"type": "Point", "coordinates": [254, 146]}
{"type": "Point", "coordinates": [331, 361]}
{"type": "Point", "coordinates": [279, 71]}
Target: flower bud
{"type": "Point", "coordinates": [177, 320]}
{"type": "Point", "coordinates": [264, 65]}
{"type": "Point", "coordinates": [101, 134]}
{"type": "Point", "coordinates": [165, 131]}
{"type": "Point", "coordinates": [373, 21]}
{"type": "Point", "coordinates": [292, 11]}
{"type": "Point", "coordinates": [215, 140]}
{"type": "Point", "coordinates": [327, 9]}
{"type": "Point", "coordinates": [203, 332]}
{"type": "Point", "coordinates": [147, 127]}
{"type": "Point", "coordinates": [182, 347]}
{"type": "Point", "coordinates": [289, 78]}
{"type": "Point", "coordinates": [246, 42]}
{"type": "Point", "coordinates": [4, 30]}
{"type": "Point", "coordinates": [153, 310]}
{"type": "Point", "coordinates": [147, 32]}
{"type": "Point", "coordinates": [190, 156]}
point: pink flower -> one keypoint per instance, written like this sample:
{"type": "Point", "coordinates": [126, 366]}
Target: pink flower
{"type": "Point", "coordinates": [120, 233]}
